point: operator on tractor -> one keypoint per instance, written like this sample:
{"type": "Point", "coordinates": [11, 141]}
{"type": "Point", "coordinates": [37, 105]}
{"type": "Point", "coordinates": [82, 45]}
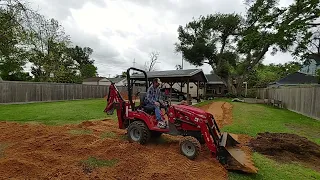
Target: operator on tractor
{"type": "Point", "coordinates": [153, 100]}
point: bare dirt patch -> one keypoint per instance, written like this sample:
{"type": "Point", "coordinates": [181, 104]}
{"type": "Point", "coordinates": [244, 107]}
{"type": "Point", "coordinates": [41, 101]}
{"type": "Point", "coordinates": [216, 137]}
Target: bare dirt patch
{"type": "Point", "coordinates": [222, 112]}
{"type": "Point", "coordinates": [51, 152]}
{"type": "Point", "coordinates": [285, 147]}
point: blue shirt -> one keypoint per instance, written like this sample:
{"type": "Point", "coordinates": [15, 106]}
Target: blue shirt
{"type": "Point", "coordinates": [153, 95]}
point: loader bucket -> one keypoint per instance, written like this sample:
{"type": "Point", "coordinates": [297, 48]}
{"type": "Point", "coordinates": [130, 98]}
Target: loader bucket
{"type": "Point", "coordinates": [233, 157]}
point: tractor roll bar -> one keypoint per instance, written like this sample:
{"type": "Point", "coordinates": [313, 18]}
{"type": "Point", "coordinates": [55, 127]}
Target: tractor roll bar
{"type": "Point", "coordinates": [130, 84]}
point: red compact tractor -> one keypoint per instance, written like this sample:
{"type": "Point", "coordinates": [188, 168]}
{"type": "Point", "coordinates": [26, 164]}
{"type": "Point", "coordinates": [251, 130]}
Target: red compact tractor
{"type": "Point", "coordinates": [194, 125]}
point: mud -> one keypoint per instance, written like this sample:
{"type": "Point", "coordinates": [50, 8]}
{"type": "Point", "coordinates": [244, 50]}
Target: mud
{"type": "Point", "coordinates": [52, 152]}
{"type": "Point", "coordinates": [284, 147]}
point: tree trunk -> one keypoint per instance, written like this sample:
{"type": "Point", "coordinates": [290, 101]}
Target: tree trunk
{"type": "Point", "coordinates": [230, 86]}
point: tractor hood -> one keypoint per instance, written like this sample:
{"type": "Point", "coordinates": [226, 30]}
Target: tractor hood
{"type": "Point", "coordinates": [191, 109]}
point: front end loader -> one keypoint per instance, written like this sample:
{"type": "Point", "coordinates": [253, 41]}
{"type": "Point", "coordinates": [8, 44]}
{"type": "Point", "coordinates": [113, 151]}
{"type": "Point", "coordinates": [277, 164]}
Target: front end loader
{"type": "Point", "coordinates": [194, 125]}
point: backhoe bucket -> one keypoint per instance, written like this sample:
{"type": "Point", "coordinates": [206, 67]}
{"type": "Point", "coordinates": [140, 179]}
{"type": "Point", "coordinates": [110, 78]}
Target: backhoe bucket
{"type": "Point", "coordinates": [232, 157]}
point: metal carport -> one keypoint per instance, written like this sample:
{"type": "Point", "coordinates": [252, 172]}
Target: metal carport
{"type": "Point", "coordinates": [181, 77]}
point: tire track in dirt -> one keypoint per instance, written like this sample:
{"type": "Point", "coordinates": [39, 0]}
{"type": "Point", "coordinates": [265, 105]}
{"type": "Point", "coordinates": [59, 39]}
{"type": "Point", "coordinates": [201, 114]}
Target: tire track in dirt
{"type": "Point", "coordinates": [221, 111]}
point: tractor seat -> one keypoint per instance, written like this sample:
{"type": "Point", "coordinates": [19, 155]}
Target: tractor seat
{"type": "Point", "coordinates": [147, 109]}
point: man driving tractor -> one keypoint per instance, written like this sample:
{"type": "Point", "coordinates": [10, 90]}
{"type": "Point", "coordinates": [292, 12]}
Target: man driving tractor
{"type": "Point", "coordinates": [153, 100]}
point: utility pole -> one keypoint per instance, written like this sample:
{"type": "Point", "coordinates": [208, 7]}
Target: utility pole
{"type": "Point", "coordinates": [134, 62]}
{"type": "Point", "coordinates": [182, 60]}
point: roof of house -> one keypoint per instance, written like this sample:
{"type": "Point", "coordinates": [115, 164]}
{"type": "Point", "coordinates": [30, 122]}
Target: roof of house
{"type": "Point", "coordinates": [116, 80]}
{"type": "Point", "coordinates": [214, 79]}
{"type": "Point", "coordinates": [297, 78]}
{"type": "Point", "coordinates": [93, 79]}
{"type": "Point", "coordinates": [174, 75]}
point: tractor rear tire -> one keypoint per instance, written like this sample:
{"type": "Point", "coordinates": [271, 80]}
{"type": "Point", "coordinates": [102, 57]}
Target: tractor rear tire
{"type": "Point", "coordinates": [138, 132]}
{"type": "Point", "coordinates": [190, 147]}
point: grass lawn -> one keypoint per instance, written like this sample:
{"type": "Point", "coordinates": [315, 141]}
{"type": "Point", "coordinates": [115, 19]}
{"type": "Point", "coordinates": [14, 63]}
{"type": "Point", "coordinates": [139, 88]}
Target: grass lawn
{"type": "Point", "coordinates": [252, 119]}
{"type": "Point", "coordinates": [55, 113]}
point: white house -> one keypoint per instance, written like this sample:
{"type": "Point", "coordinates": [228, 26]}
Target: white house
{"type": "Point", "coordinates": [311, 68]}
{"type": "Point", "coordinates": [97, 81]}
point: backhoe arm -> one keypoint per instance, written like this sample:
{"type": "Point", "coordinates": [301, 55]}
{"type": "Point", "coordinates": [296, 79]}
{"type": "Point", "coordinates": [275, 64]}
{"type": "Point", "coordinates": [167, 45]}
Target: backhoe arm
{"type": "Point", "coordinates": [115, 101]}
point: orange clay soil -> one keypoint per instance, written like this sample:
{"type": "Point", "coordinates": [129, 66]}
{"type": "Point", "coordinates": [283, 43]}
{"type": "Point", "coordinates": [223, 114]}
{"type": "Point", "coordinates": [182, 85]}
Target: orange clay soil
{"type": "Point", "coordinates": [221, 111]}
{"type": "Point", "coordinates": [54, 152]}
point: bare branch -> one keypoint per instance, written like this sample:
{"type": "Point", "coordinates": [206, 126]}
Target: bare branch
{"type": "Point", "coordinates": [149, 66]}
{"type": "Point", "coordinates": [313, 24]}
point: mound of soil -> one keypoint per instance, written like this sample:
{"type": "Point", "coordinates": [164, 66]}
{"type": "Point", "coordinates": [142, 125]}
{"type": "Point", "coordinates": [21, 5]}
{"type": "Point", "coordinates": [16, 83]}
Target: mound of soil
{"type": "Point", "coordinates": [288, 148]}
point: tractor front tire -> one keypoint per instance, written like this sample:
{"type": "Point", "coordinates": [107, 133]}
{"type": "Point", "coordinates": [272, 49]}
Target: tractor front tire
{"type": "Point", "coordinates": [138, 132]}
{"type": "Point", "coordinates": [190, 147]}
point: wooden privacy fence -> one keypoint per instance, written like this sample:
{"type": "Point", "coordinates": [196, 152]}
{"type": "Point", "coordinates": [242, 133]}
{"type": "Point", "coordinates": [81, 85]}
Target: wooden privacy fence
{"type": "Point", "coordinates": [19, 92]}
{"type": "Point", "coordinates": [303, 100]}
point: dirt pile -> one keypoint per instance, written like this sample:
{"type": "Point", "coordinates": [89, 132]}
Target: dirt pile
{"type": "Point", "coordinates": [288, 148]}
{"type": "Point", "coordinates": [55, 152]}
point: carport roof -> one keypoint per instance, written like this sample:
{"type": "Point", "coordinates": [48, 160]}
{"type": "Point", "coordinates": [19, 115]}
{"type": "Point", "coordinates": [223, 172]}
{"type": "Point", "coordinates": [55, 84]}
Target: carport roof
{"type": "Point", "coordinates": [194, 75]}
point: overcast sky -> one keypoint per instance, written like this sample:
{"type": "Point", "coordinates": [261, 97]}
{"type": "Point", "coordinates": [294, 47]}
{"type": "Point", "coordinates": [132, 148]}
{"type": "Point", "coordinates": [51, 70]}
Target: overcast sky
{"type": "Point", "coordinates": [120, 31]}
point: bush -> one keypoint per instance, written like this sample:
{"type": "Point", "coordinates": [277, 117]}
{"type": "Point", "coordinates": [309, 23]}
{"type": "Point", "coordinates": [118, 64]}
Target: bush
{"type": "Point", "coordinates": [252, 93]}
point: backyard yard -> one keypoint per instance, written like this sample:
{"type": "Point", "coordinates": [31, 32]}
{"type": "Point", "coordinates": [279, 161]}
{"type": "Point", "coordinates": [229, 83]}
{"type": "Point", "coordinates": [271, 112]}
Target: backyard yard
{"type": "Point", "coordinates": [75, 139]}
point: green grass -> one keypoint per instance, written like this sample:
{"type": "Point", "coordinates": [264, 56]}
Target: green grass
{"type": "Point", "coordinates": [271, 170]}
{"type": "Point", "coordinates": [92, 163]}
{"type": "Point", "coordinates": [80, 131]}
{"type": "Point", "coordinates": [55, 113]}
{"type": "Point", "coordinates": [252, 119]}
{"type": "Point", "coordinates": [107, 134]}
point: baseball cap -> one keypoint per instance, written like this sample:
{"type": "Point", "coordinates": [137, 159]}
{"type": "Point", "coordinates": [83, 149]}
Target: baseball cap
{"type": "Point", "coordinates": [157, 80]}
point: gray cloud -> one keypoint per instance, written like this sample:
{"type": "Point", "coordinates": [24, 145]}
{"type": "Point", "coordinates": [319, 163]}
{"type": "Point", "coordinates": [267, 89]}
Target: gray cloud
{"type": "Point", "coordinates": [115, 48]}
{"type": "Point", "coordinates": [60, 9]}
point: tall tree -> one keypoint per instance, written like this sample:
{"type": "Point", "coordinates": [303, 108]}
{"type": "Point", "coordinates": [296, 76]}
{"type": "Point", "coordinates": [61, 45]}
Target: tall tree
{"type": "Point", "coordinates": [12, 36]}
{"type": "Point", "coordinates": [210, 40]}
{"type": "Point", "coordinates": [83, 61]}
{"type": "Point", "coordinates": [49, 45]}
{"type": "Point", "coordinates": [233, 45]}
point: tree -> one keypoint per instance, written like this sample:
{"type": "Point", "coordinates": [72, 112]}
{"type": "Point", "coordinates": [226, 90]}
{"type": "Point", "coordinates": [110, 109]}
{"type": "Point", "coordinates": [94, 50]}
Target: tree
{"type": "Point", "coordinates": [49, 45]}
{"type": "Point", "coordinates": [12, 52]}
{"type": "Point", "coordinates": [178, 67]}
{"type": "Point", "coordinates": [149, 66]}
{"type": "Point", "coordinates": [84, 63]}
{"type": "Point", "coordinates": [28, 37]}
{"type": "Point", "coordinates": [123, 75]}
{"type": "Point", "coordinates": [233, 45]}
{"type": "Point", "coordinates": [262, 75]}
